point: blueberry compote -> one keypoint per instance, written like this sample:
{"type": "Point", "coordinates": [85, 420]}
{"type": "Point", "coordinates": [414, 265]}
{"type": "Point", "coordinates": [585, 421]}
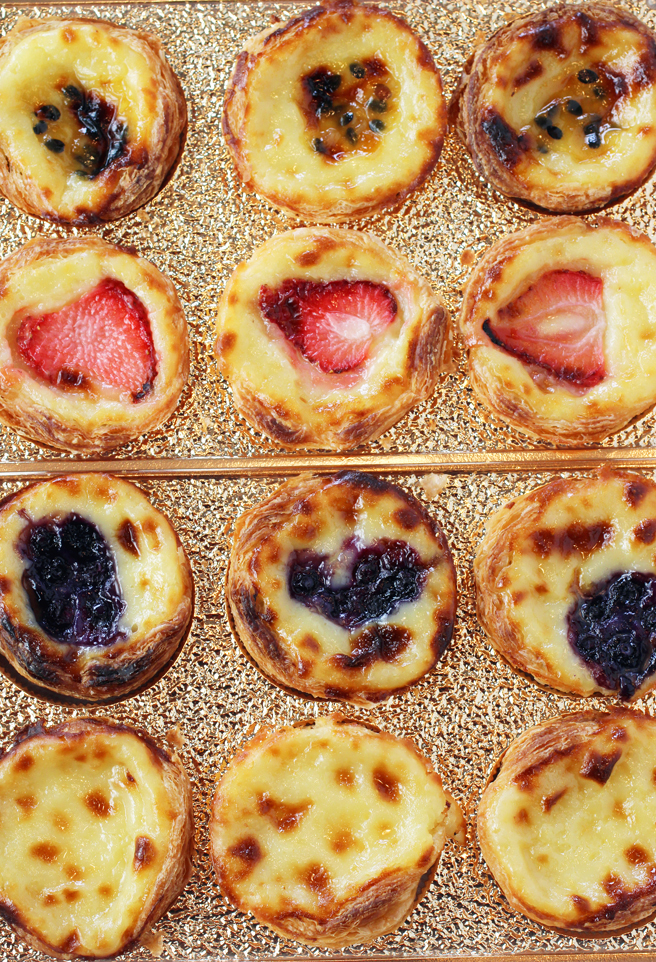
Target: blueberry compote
{"type": "Point", "coordinates": [613, 629]}
{"type": "Point", "coordinates": [71, 581]}
{"type": "Point", "coordinates": [365, 585]}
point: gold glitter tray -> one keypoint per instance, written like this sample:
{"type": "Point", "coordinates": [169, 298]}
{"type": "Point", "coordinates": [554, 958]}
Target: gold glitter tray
{"type": "Point", "coordinates": [206, 466]}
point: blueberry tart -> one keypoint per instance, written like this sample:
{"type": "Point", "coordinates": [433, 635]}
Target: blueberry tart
{"type": "Point", "coordinates": [328, 337]}
{"type": "Point", "coordinates": [566, 584]}
{"type": "Point", "coordinates": [559, 106]}
{"type": "Point", "coordinates": [559, 323]}
{"type": "Point", "coordinates": [341, 587]}
{"type": "Point", "coordinates": [566, 822]}
{"type": "Point", "coordinates": [329, 831]}
{"type": "Point", "coordinates": [96, 830]}
{"type": "Point", "coordinates": [92, 119]}
{"type": "Point", "coordinates": [337, 113]}
{"type": "Point", "coordinates": [93, 344]}
{"type": "Point", "coordinates": [96, 592]}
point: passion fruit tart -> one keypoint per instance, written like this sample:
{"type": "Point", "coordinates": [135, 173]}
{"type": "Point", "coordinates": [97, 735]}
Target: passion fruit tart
{"type": "Point", "coordinates": [93, 344]}
{"type": "Point", "coordinates": [559, 107]}
{"type": "Point", "coordinates": [92, 119]}
{"type": "Point", "coordinates": [337, 113]}
{"type": "Point", "coordinates": [96, 591]}
{"type": "Point", "coordinates": [328, 337]}
{"type": "Point", "coordinates": [96, 829]}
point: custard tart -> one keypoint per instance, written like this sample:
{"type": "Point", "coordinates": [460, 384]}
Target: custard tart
{"type": "Point", "coordinates": [328, 337]}
{"type": "Point", "coordinates": [93, 344]}
{"type": "Point", "coordinates": [329, 831]}
{"type": "Point", "coordinates": [92, 119]}
{"type": "Point", "coordinates": [337, 113]}
{"type": "Point", "coordinates": [566, 584]}
{"type": "Point", "coordinates": [558, 108]}
{"type": "Point", "coordinates": [96, 829]}
{"type": "Point", "coordinates": [341, 587]}
{"type": "Point", "coordinates": [560, 323]}
{"type": "Point", "coordinates": [566, 822]}
{"type": "Point", "coordinates": [96, 591]}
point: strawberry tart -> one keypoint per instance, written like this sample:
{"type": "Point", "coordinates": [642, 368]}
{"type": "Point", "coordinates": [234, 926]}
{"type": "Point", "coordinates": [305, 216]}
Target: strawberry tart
{"type": "Point", "coordinates": [337, 113]}
{"type": "Point", "coordinates": [560, 324]}
{"type": "Point", "coordinates": [559, 107]}
{"type": "Point", "coordinates": [328, 337]}
{"type": "Point", "coordinates": [96, 591]}
{"type": "Point", "coordinates": [93, 344]}
{"type": "Point", "coordinates": [92, 119]}
{"type": "Point", "coordinates": [341, 587]}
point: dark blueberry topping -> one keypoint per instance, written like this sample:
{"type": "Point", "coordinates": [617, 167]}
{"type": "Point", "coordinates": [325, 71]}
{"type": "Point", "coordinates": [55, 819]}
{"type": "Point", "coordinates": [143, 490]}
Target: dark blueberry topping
{"type": "Point", "coordinates": [574, 108]}
{"type": "Point", "coordinates": [542, 121]}
{"type": "Point", "coordinates": [319, 145]}
{"type": "Point", "coordinates": [48, 112]}
{"type": "Point", "coordinates": [613, 629]}
{"type": "Point", "coordinates": [375, 582]}
{"type": "Point", "coordinates": [99, 122]}
{"type": "Point", "coordinates": [357, 70]}
{"type": "Point", "coordinates": [56, 146]}
{"type": "Point", "coordinates": [351, 135]}
{"type": "Point", "coordinates": [378, 106]}
{"type": "Point", "coordinates": [346, 118]}
{"type": "Point", "coordinates": [377, 126]}
{"type": "Point", "coordinates": [587, 76]}
{"type": "Point", "coordinates": [554, 132]}
{"type": "Point", "coordinates": [71, 582]}
{"type": "Point", "coordinates": [599, 92]}
{"type": "Point", "coordinates": [40, 127]}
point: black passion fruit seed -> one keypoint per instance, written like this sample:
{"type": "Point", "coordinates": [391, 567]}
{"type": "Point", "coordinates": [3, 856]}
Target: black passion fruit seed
{"type": "Point", "coordinates": [554, 132]}
{"type": "Point", "coordinates": [587, 76]}
{"type": "Point", "coordinates": [56, 146]}
{"type": "Point", "coordinates": [574, 108]}
{"type": "Point", "coordinates": [40, 127]}
{"type": "Point", "coordinates": [357, 70]}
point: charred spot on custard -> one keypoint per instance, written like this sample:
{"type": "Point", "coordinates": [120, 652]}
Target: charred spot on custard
{"type": "Point", "coordinates": [645, 532]}
{"type": "Point", "coordinates": [506, 144]}
{"type": "Point", "coordinates": [576, 538]}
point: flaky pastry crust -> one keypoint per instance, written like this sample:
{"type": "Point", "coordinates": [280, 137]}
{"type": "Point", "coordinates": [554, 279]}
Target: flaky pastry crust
{"type": "Point", "coordinates": [121, 807]}
{"type": "Point", "coordinates": [565, 822]}
{"type": "Point", "coordinates": [153, 572]}
{"type": "Point", "coordinates": [277, 390]}
{"type": "Point", "coordinates": [534, 61]}
{"type": "Point", "coordinates": [271, 139]}
{"type": "Point", "coordinates": [546, 550]}
{"type": "Point", "coordinates": [324, 892]}
{"type": "Point", "coordinates": [46, 275]}
{"type": "Point", "coordinates": [299, 648]}
{"type": "Point", "coordinates": [528, 397]}
{"type": "Point", "coordinates": [46, 58]}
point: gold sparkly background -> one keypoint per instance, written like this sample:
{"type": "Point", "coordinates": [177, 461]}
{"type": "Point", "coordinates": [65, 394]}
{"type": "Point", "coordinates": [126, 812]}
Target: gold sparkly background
{"type": "Point", "coordinates": [468, 709]}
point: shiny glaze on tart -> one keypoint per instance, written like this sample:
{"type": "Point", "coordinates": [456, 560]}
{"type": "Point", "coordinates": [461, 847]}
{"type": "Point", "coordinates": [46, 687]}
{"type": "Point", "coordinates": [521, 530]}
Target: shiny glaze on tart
{"type": "Point", "coordinates": [92, 119]}
{"type": "Point", "coordinates": [329, 832]}
{"type": "Point", "coordinates": [559, 106]}
{"type": "Point", "coordinates": [96, 591]}
{"type": "Point", "coordinates": [328, 337]}
{"type": "Point", "coordinates": [93, 344]}
{"type": "Point", "coordinates": [566, 584]}
{"type": "Point", "coordinates": [341, 587]}
{"type": "Point", "coordinates": [337, 113]}
{"type": "Point", "coordinates": [560, 323]}
{"type": "Point", "coordinates": [566, 821]}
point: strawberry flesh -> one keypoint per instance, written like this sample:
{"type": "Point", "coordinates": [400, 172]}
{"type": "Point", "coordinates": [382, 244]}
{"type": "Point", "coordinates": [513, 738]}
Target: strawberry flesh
{"type": "Point", "coordinates": [333, 324]}
{"type": "Point", "coordinates": [557, 324]}
{"type": "Point", "coordinates": [103, 337]}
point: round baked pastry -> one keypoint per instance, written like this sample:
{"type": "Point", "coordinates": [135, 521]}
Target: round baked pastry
{"type": "Point", "coordinates": [566, 822]}
{"type": "Point", "coordinates": [96, 830]}
{"type": "Point", "coordinates": [566, 584]}
{"type": "Point", "coordinates": [92, 119]}
{"type": "Point", "coordinates": [328, 338]}
{"type": "Point", "coordinates": [560, 322]}
{"type": "Point", "coordinates": [559, 106]}
{"type": "Point", "coordinates": [337, 113]}
{"type": "Point", "coordinates": [93, 344]}
{"type": "Point", "coordinates": [96, 592]}
{"type": "Point", "coordinates": [341, 587]}
{"type": "Point", "coordinates": [329, 832]}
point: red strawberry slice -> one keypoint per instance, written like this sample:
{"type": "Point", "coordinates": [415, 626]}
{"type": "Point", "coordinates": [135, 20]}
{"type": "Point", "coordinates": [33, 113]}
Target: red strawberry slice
{"type": "Point", "coordinates": [104, 337]}
{"type": "Point", "coordinates": [557, 324]}
{"type": "Point", "coordinates": [332, 324]}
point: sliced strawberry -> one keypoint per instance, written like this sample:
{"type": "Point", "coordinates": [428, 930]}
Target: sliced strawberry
{"type": "Point", "coordinates": [104, 337]}
{"type": "Point", "coordinates": [557, 324]}
{"type": "Point", "coordinates": [332, 324]}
